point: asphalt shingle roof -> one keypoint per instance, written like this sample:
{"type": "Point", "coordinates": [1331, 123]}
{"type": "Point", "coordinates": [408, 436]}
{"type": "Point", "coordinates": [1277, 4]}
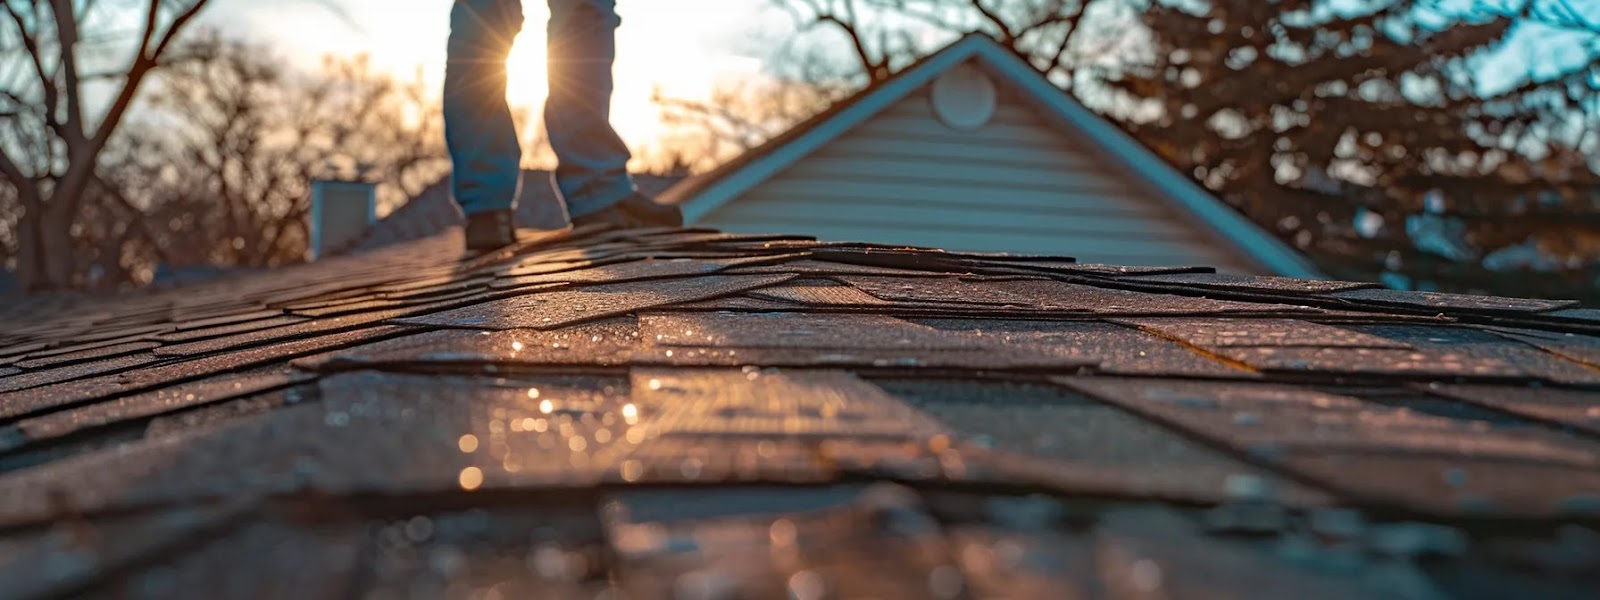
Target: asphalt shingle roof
{"type": "Point", "coordinates": [691, 414]}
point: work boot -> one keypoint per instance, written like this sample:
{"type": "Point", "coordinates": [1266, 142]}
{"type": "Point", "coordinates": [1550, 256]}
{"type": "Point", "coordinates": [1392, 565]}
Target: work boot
{"type": "Point", "coordinates": [490, 230]}
{"type": "Point", "coordinates": [634, 212]}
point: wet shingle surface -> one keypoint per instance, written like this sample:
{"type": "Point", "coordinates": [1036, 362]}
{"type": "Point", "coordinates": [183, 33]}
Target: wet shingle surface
{"type": "Point", "coordinates": [690, 414]}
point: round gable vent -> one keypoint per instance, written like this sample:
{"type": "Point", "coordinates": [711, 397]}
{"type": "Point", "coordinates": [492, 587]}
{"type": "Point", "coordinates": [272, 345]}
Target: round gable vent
{"type": "Point", "coordinates": [964, 98]}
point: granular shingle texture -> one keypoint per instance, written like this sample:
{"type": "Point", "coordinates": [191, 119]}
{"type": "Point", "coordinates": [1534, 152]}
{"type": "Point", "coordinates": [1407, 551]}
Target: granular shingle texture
{"type": "Point", "coordinates": [691, 414]}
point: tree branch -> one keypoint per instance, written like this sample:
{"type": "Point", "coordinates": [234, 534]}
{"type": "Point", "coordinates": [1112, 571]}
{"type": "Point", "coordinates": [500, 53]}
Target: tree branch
{"type": "Point", "coordinates": [67, 55]}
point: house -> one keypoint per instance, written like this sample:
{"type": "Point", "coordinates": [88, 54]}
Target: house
{"type": "Point", "coordinates": [691, 414]}
{"type": "Point", "coordinates": [973, 149]}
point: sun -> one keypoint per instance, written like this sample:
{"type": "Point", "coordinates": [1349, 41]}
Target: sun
{"type": "Point", "coordinates": [641, 68]}
{"type": "Point", "coordinates": [527, 82]}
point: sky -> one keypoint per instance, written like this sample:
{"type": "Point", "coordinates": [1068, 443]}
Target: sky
{"type": "Point", "coordinates": [679, 46]}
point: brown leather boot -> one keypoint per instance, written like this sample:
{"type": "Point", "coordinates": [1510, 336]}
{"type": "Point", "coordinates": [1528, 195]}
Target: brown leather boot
{"type": "Point", "coordinates": [634, 212]}
{"type": "Point", "coordinates": [490, 230]}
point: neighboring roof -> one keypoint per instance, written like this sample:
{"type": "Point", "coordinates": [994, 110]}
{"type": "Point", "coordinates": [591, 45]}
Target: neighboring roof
{"type": "Point", "coordinates": [434, 210]}
{"type": "Point", "coordinates": [702, 194]}
{"type": "Point", "coordinates": [734, 415]}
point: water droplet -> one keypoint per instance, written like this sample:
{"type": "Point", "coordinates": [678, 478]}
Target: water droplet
{"type": "Point", "coordinates": [533, 392]}
{"type": "Point", "coordinates": [577, 444]}
{"type": "Point", "coordinates": [655, 384]}
{"type": "Point", "coordinates": [516, 346]}
{"type": "Point", "coordinates": [468, 443]}
{"type": "Point", "coordinates": [471, 478]}
{"type": "Point", "coordinates": [632, 470]}
{"type": "Point", "coordinates": [782, 532]}
{"type": "Point", "coordinates": [546, 406]}
{"type": "Point", "coordinates": [630, 413]}
{"type": "Point", "coordinates": [807, 585]}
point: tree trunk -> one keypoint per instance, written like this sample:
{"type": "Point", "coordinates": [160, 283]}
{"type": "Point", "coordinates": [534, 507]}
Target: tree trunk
{"type": "Point", "coordinates": [30, 270]}
{"type": "Point", "coordinates": [56, 250]}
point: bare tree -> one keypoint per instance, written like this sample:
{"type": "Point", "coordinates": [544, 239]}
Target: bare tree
{"type": "Point", "coordinates": [51, 53]}
{"type": "Point", "coordinates": [736, 117]}
{"type": "Point", "coordinates": [236, 139]}
{"type": "Point", "coordinates": [884, 35]}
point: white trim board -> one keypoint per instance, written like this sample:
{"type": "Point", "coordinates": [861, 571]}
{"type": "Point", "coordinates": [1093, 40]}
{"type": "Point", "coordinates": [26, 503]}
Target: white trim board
{"type": "Point", "coordinates": [1228, 225]}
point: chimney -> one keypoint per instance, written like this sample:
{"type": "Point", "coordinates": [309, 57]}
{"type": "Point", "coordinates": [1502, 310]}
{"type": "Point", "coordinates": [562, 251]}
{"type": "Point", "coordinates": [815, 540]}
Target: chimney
{"type": "Point", "coordinates": [341, 212]}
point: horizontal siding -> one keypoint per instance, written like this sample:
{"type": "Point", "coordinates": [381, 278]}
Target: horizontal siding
{"type": "Point", "coordinates": [1009, 112]}
{"type": "Point", "coordinates": [796, 210]}
{"type": "Point", "coordinates": [1051, 156]}
{"type": "Point", "coordinates": [935, 131]}
{"type": "Point", "coordinates": [954, 171]}
{"type": "Point", "coordinates": [825, 195]}
{"type": "Point", "coordinates": [1017, 184]}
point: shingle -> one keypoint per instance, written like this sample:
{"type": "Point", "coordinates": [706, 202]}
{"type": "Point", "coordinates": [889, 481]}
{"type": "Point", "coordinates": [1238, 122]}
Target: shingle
{"type": "Point", "coordinates": [882, 545]}
{"type": "Point", "coordinates": [1476, 344]}
{"type": "Point", "coordinates": [1578, 409]}
{"type": "Point", "coordinates": [1330, 438]}
{"type": "Point", "coordinates": [796, 330]}
{"type": "Point", "coordinates": [606, 343]}
{"type": "Point", "coordinates": [149, 404]}
{"type": "Point", "coordinates": [1224, 281]}
{"type": "Point", "coordinates": [1380, 362]}
{"type": "Point", "coordinates": [1213, 332]}
{"type": "Point", "coordinates": [786, 403]}
{"type": "Point", "coordinates": [370, 434]}
{"type": "Point", "coordinates": [1054, 296]}
{"type": "Point", "coordinates": [87, 355]}
{"type": "Point", "coordinates": [10, 386]}
{"type": "Point", "coordinates": [1452, 302]}
{"type": "Point", "coordinates": [57, 564]}
{"type": "Point", "coordinates": [1572, 346]}
{"type": "Point", "coordinates": [555, 309]}
{"type": "Point", "coordinates": [285, 561]}
{"type": "Point", "coordinates": [25, 402]}
{"type": "Point", "coordinates": [821, 267]}
{"type": "Point", "coordinates": [819, 293]}
{"type": "Point", "coordinates": [1105, 446]}
{"type": "Point", "coordinates": [1114, 348]}
{"type": "Point", "coordinates": [178, 337]}
{"type": "Point", "coordinates": [638, 270]}
{"type": "Point", "coordinates": [231, 318]}
{"type": "Point", "coordinates": [1189, 562]}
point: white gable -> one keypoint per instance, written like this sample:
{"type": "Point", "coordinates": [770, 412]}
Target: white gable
{"type": "Point", "coordinates": [922, 160]}
{"type": "Point", "coordinates": [1013, 184]}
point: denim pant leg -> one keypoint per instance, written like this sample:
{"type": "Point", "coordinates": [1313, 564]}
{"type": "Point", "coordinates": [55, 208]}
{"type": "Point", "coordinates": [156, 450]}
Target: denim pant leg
{"type": "Point", "coordinates": [479, 132]}
{"type": "Point", "coordinates": [591, 159]}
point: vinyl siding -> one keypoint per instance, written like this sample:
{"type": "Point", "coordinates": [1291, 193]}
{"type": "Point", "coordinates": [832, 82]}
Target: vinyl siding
{"type": "Point", "coordinates": [1017, 184]}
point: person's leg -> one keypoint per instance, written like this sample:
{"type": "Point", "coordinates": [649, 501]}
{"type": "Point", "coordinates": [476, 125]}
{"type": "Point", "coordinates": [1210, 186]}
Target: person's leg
{"type": "Point", "coordinates": [592, 161]}
{"type": "Point", "coordinates": [479, 132]}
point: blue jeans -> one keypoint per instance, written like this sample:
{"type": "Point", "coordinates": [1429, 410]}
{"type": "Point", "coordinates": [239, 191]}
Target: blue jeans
{"type": "Point", "coordinates": [591, 172]}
